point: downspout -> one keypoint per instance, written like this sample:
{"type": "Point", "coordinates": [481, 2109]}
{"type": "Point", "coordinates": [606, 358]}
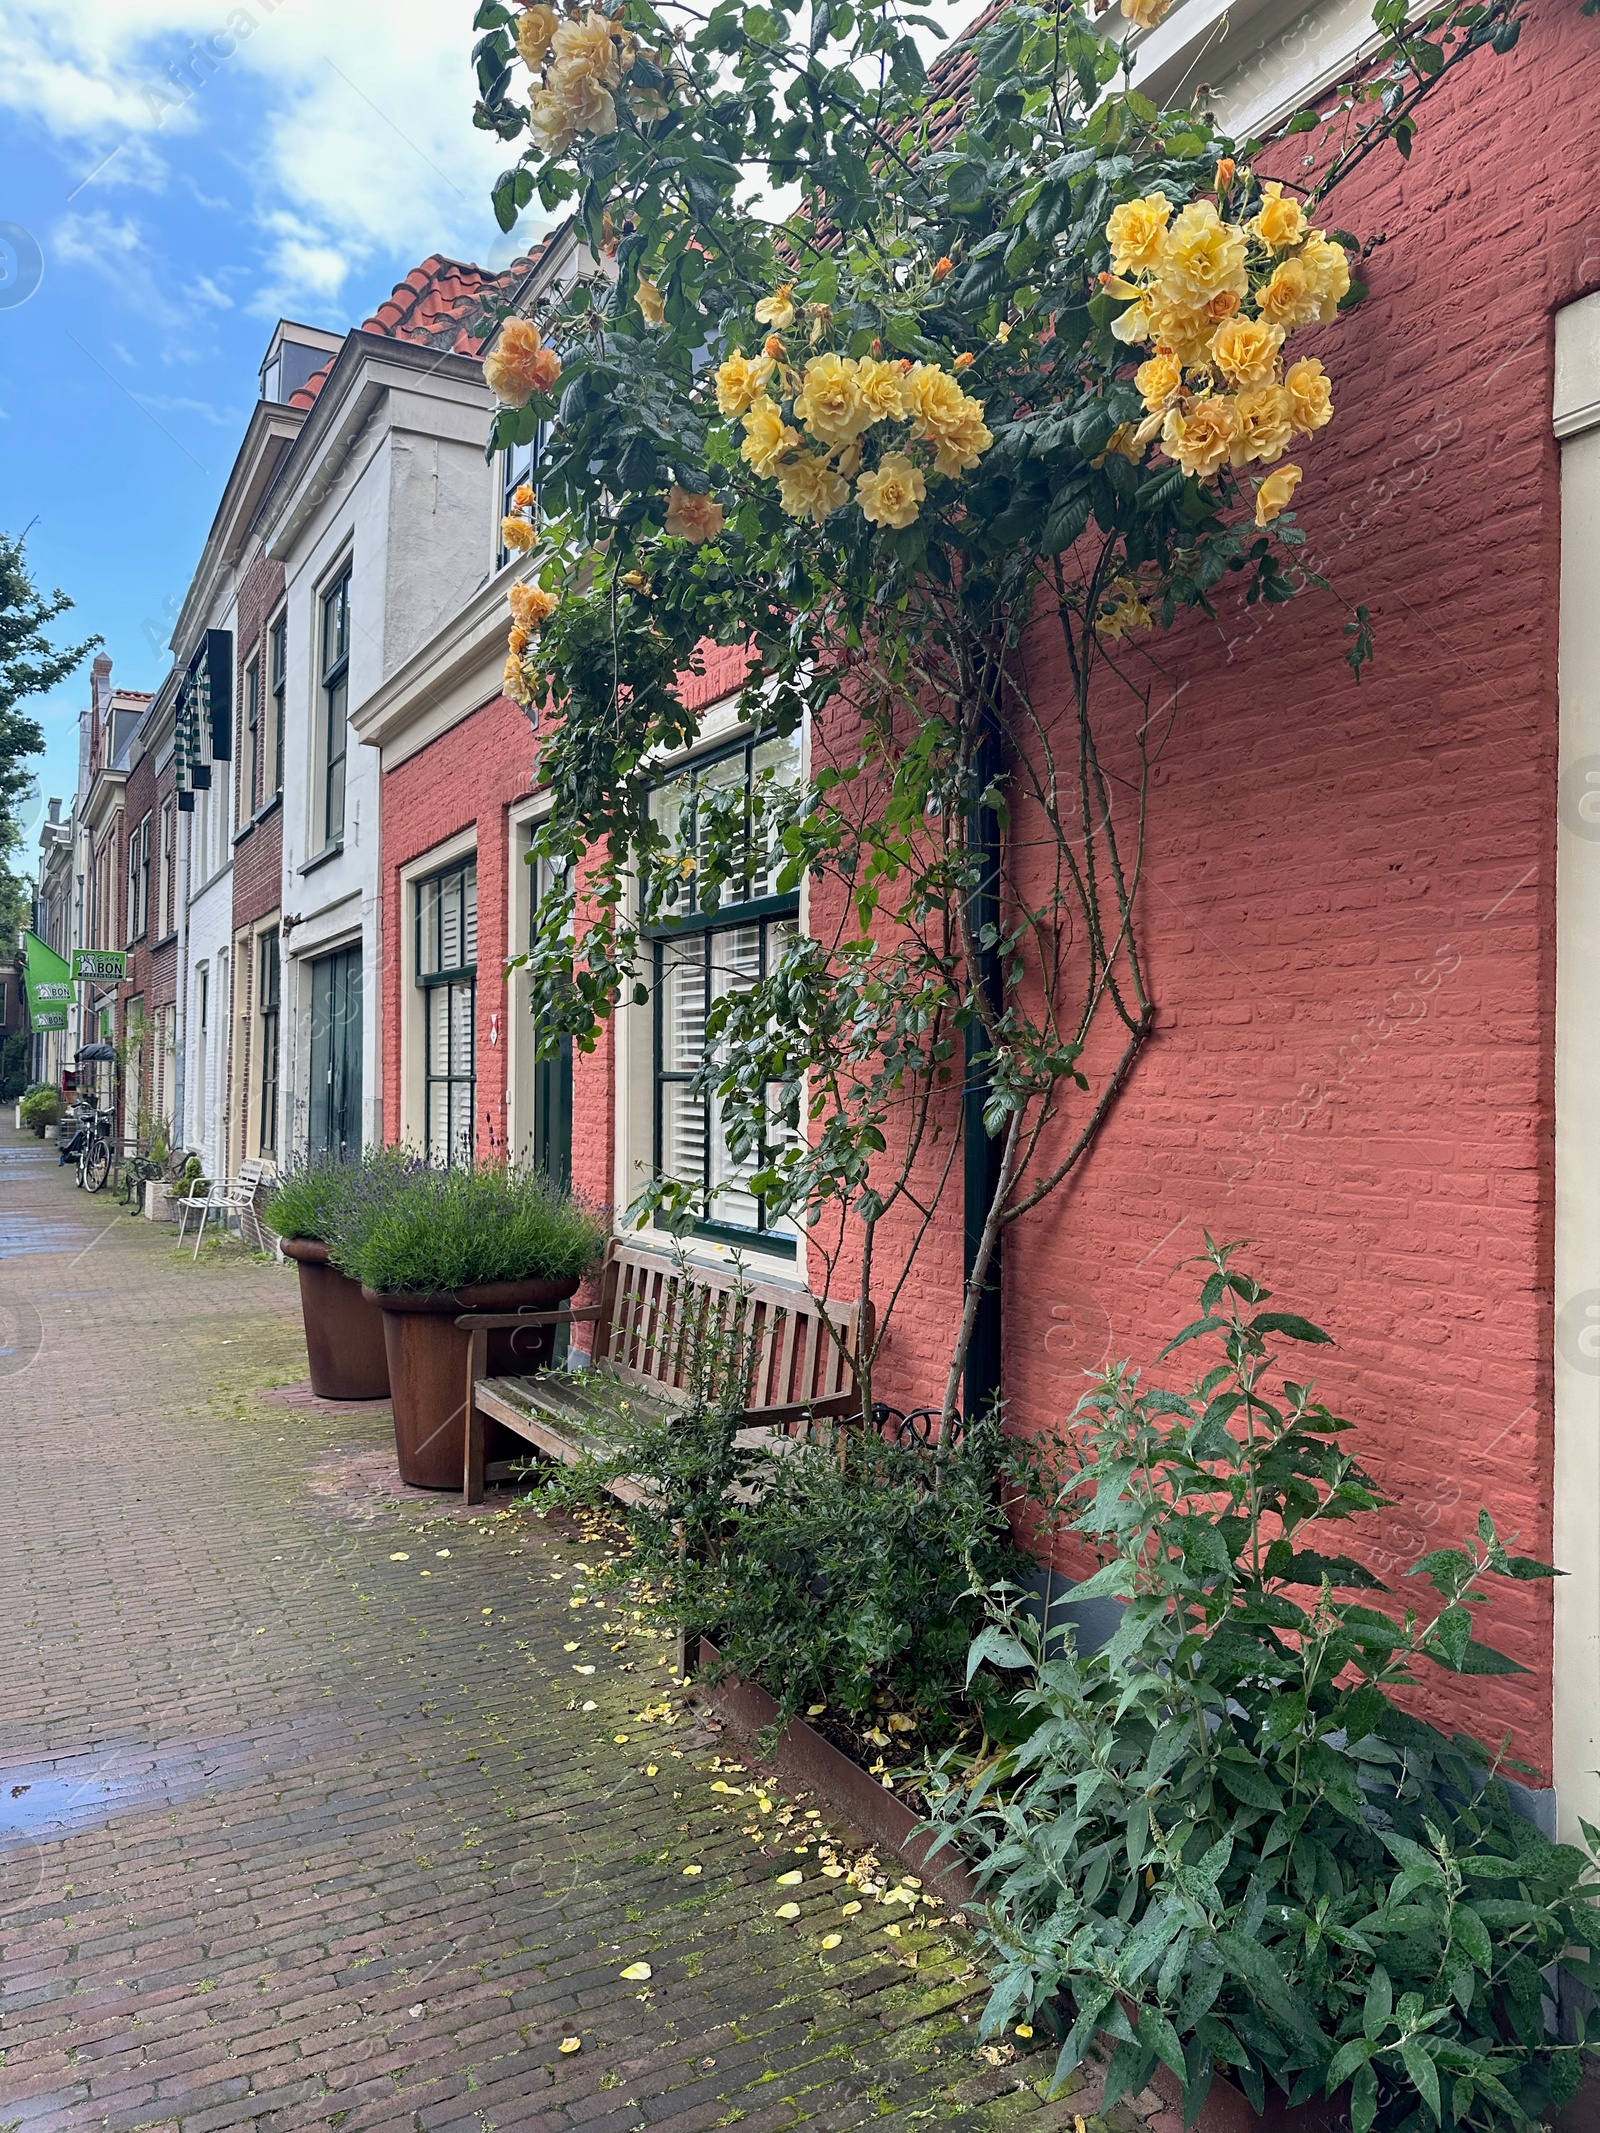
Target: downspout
{"type": "Point", "coordinates": [982, 1380]}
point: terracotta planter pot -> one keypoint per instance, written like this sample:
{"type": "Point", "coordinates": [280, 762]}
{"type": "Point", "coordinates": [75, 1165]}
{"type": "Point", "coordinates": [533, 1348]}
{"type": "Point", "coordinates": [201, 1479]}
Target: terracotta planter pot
{"type": "Point", "coordinates": [344, 1333]}
{"type": "Point", "coordinates": [428, 1367]}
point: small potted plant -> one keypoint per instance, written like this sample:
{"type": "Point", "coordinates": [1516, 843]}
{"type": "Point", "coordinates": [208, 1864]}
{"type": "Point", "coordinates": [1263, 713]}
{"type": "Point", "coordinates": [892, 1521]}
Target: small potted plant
{"type": "Point", "coordinates": [436, 1243]}
{"type": "Point", "coordinates": [40, 1108]}
{"type": "Point", "coordinates": [344, 1332]}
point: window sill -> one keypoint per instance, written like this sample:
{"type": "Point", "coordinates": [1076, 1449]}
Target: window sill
{"type": "Point", "coordinates": [267, 807]}
{"type": "Point", "coordinates": [240, 835]}
{"type": "Point", "coordinates": [745, 1240]}
{"type": "Point", "coordinates": [321, 859]}
{"type": "Point", "coordinates": [165, 941]}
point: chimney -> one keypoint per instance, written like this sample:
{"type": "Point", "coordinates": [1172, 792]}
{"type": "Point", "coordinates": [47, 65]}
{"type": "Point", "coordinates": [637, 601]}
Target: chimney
{"type": "Point", "coordinates": [55, 814]}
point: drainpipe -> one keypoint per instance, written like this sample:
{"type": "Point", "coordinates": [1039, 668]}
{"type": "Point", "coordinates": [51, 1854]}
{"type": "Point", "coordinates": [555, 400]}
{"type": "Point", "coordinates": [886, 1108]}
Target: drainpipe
{"type": "Point", "coordinates": [981, 1384]}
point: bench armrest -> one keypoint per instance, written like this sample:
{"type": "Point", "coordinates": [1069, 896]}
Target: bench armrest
{"type": "Point", "coordinates": [837, 1407]}
{"type": "Point", "coordinates": [495, 1321]}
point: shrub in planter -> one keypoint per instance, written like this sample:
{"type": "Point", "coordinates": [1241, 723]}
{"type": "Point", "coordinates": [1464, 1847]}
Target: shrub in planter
{"type": "Point", "coordinates": [344, 1331]}
{"type": "Point", "coordinates": [429, 1244]}
{"type": "Point", "coordinates": [848, 1579]}
{"type": "Point", "coordinates": [41, 1107]}
{"type": "Point", "coordinates": [1220, 1841]}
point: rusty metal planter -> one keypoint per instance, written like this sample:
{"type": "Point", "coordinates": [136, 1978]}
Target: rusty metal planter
{"type": "Point", "coordinates": [344, 1332]}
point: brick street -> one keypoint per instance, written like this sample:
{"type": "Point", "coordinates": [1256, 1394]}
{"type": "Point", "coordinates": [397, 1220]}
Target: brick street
{"type": "Point", "coordinates": [307, 1816]}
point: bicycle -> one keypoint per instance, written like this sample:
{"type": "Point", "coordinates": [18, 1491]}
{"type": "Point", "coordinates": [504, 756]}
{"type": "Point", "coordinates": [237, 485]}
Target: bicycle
{"type": "Point", "coordinates": [95, 1153]}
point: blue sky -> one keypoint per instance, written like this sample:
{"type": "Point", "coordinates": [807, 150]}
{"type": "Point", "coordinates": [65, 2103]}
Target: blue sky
{"type": "Point", "coordinates": [313, 153]}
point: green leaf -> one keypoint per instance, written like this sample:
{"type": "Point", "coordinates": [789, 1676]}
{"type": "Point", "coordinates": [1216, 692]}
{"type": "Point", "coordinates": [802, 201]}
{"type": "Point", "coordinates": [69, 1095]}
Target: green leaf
{"type": "Point", "coordinates": [1291, 1323]}
{"type": "Point", "coordinates": [1424, 2074]}
{"type": "Point", "coordinates": [1379, 2005]}
{"type": "Point", "coordinates": [1468, 1931]}
{"type": "Point", "coordinates": [1345, 2061]}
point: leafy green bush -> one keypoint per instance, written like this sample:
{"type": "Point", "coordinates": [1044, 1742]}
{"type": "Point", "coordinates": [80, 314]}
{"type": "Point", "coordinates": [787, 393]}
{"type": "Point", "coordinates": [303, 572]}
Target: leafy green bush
{"type": "Point", "coordinates": [41, 1107]}
{"type": "Point", "coordinates": [847, 1577]}
{"type": "Point", "coordinates": [412, 1227]}
{"type": "Point", "coordinates": [1221, 1843]}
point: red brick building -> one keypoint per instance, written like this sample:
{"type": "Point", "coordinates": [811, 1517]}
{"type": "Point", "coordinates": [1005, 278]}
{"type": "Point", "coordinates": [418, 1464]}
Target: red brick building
{"type": "Point", "coordinates": [1350, 907]}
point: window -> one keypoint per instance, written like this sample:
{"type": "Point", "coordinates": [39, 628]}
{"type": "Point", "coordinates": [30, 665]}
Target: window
{"type": "Point", "coordinates": [447, 971]}
{"type": "Point", "coordinates": [335, 705]}
{"type": "Point", "coordinates": [704, 955]}
{"type": "Point", "coordinates": [139, 882]}
{"type": "Point", "coordinates": [516, 470]}
{"type": "Point", "coordinates": [167, 883]}
{"type": "Point", "coordinates": [250, 754]}
{"type": "Point", "coordinates": [277, 688]}
{"type": "Point", "coordinates": [269, 993]}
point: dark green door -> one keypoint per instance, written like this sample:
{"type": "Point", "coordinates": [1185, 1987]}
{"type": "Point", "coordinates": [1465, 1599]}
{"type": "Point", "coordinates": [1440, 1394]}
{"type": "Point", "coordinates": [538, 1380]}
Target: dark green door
{"type": "Point", "coordinates": [552, 1086]}
{"type": "Point", "coordinates": [335, 1091]}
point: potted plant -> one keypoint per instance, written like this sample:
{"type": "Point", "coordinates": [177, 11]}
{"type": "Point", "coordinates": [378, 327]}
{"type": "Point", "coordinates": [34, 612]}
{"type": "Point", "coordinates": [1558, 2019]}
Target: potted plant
{"type": "Point", "coordinates": [344, 1332]}
{"type": "Point", "coordinates": [435, 1243]}
{"type": "Point", "coordinates": [40, 1107]}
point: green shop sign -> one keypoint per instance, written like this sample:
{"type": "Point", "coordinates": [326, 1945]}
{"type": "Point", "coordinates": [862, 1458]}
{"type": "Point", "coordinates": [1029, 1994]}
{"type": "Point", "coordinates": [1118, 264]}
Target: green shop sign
{"type": "Point", "coordinates": [100, 964]}
{"type": "Point", "coordinates": [48, 981]}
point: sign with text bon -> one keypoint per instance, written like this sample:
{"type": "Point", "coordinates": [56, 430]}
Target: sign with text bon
{"type": "Point", "coordinates": [101, 964]}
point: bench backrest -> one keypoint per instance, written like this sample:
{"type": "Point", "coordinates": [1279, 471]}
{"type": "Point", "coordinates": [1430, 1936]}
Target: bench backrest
{"type": "Point", "coordinates": [650, 1308]}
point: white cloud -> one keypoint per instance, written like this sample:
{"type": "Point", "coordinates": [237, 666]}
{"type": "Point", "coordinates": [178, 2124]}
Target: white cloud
{"type": "Point", "coordinates": [117, 248]}
{"type": "Point", "coordinates": [363, 143]}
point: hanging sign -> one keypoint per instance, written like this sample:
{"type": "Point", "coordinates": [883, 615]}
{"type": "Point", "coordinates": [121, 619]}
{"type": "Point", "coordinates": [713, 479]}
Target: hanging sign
{"type": "Point", "coordinates": [47, 979]}
{"type": "Point", "coordinates": [100, 964]}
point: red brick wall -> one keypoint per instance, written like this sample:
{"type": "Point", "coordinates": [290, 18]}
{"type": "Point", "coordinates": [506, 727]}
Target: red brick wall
{"type": "Point", "coordinates": [1349, 903]}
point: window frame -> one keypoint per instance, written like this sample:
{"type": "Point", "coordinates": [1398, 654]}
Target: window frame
{"type": "Point", "coordinates": [277, 678]}
{"type": "Point", "coordinates": [763, 912]}
{"type": "Point", "coordinates": [334, 684]}
{"type": "Point", "coordinates": [250, 754]}
{"type": "Point", "coordinates": [269, 1023]}
{"type": "Point", "coordinates": [445, 982]}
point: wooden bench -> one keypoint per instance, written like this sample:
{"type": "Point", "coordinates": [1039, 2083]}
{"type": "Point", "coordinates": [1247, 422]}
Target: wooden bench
{"type": "Point", "coordinates": [800, 1374]}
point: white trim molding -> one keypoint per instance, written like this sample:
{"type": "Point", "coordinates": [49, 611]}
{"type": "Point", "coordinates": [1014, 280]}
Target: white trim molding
{"type": "Point", "coordinates": [1576, 1513]}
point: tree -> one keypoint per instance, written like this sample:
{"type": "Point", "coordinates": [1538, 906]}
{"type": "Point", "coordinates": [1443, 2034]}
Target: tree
{"type": "Point", "coordinates": [942, 450]}
{"type": "Point", "coordinates": [30, 665]}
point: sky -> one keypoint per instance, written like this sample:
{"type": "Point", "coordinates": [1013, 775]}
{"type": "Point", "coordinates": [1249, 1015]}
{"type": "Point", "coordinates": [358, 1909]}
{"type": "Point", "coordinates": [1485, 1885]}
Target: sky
{"type": "Point", "coordinates": [175, 175]}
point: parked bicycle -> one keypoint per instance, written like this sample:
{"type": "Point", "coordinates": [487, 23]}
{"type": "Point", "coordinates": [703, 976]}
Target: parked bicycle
{"type": "Point", "coordinates": [96, 1152]}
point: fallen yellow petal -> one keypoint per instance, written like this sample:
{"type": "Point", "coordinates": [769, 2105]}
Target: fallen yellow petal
{"type": "Point", "coordinates": [694, 1870]}
{"type": "Point", "coordinates": [401, 1555]}
{"type": "Point", "coordinates": [1024, 2029]}
{"type": "Point", "coordinates": [650, 1770]}
{"type": "Point", "coordinates": [583, 1669]}
{"type": "Point", "coordinates": [619, 1738]}
{"type": "Point", "coordinates": [893, 1932]}
{"type": "Point", "coordinates": [572, 1647]}
{"type": "Point", "coordinates": [791, 1881]}
{"type": "Point", "coordinates": [636, 1973]}
{"type": "Point", "coordinates": [787, 1910]}
{"type": "Point", "coordinates": [832, 1940]}
{"type": "Point", "coordinates": [850, 1909]}
{"type": "Point", "coordinates": [572, 2044]}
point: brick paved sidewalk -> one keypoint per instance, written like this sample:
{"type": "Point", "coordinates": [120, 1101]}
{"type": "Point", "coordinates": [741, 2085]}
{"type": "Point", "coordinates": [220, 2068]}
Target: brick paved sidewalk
{"type": "Point", "coordinates": [310, 1817]}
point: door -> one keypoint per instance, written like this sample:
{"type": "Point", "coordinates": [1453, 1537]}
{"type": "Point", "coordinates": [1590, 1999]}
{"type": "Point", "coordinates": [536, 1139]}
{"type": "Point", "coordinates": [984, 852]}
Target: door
{"type": "Point", "coordinates": [335, 1093]}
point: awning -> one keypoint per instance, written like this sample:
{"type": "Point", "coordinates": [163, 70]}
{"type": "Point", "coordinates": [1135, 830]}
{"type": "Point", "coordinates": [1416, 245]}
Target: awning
{"type": "Point", "coordinates": [96, 1051]}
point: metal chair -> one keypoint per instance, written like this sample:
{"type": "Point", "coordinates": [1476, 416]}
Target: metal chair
{"type": "Point", "coordinates": [236, 1197]}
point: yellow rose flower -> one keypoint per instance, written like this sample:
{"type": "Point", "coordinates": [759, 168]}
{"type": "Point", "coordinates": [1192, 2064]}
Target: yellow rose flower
{"type": "Point", "coordinates": [531, 606]}
{"type": "Point", "coordinates": [1204, 257]}
{"type": "Point", "coordinates": [691, 517]}
{"type": "Point", "coordinates": [1200, 440]}
{"type": "Point", "coordinates": [809, 488]}
{"type": "Point", "coordinates": [536, 26]}
{"type": "Point", "coordinates": [1310, 394]}
{"type": "Point", "coordinates": [741, 381]}
{"type": "Point", "coordinates": [1245, 350]}
{"type": "Point", "coordinates": [1157, 381]}
{"type": "Point", "coordinates": [1132, 326]}
{"type": "Point", "coordinates": [882, 389]}
{"type": "Point", "coordinates": [951, 420]}
{"type": "Point", "coordinates": [591, 46]}
{"type": "Point", "coordinates": [516, 681]}
{"type": "Point", "coordinates": [523, 499]}
{"type": "Point", "coordinates": [777, 310]}
{"type": "Point", "coordinates": [1137, 232]}
{"type": "Point", "coordinates": [767, 437]}
{"type": "Point", "coordinates": [567, 105]}
{"type": "Point", "coordinates": [1275, 493]}
{"type": "Point", "coordinates": [519, 364]}
{"type": "Point", "coordinates": [829, 403]}
{"type": "Point", "coordinates": [1179, 330]}
{"type": "Point", "coordinates": [1265, 425]}
{"type": "Point", "coordinates": [1125, 612]}
{"type": "Point", "coordinates": [517, 535]}
{"type": "Point", "coordinates": [1328, 269]}
{"type": "Point", "coordinates": [519, 640]}
{"type": "Point", "coordinates": [1280, 223]}
{"type": "Point", "coordinates": [652, 304]}
{"type": "Point", "coordinates": [893, 494]}
{"type": "Point", "coordinates": [1289, 298]}
{"type": "Point", "coordinates": [1145, 14]}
